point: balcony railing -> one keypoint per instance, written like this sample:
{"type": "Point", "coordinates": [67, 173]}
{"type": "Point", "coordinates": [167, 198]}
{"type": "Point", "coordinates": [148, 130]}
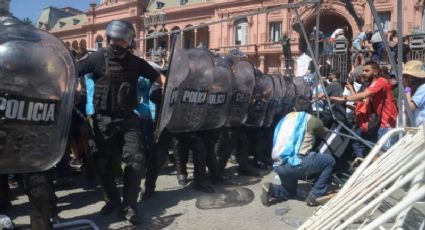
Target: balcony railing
{"type": "Point", "coordinates": [272, 45]}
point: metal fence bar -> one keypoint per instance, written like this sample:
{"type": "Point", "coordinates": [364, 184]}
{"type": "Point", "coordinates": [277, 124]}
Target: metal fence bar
{"type": "Point", "coordinates": [374, 182]}
{"type": "Point", "coordinates": [362, 192]}
{"type": "Point", "coordinates": [406, 203]}
{"type": "Point", "coordinates": [76, 224]}
{"type": "Point", "coordinates": [417, 181]}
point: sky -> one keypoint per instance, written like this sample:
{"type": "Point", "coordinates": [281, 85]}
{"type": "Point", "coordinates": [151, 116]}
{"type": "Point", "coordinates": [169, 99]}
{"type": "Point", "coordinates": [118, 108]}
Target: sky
{"type": "Point", "coordinates": [32, 8]}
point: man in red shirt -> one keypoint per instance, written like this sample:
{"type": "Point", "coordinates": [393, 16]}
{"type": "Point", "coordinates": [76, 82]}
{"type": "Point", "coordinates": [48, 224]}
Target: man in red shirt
{"type": "Point", "coordinates": [378, 99]}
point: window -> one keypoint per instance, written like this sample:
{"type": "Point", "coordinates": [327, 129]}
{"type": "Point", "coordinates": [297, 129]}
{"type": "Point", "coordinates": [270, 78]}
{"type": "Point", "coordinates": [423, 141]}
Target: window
{"type": "Point", "coordinates": [385, 21]}
{"type": "Point", "coordinates": [241, 32]}
{"type": "Point", "coordinates": [275, 31]}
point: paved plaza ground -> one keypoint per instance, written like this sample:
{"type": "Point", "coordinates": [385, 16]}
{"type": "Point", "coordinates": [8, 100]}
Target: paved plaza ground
{"type": "Point", "coordinates": [235, 205]}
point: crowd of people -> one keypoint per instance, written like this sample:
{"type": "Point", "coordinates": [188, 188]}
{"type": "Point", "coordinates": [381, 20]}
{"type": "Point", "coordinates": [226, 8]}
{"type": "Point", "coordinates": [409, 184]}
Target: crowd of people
{"type": "Point", "coordinates": [116, 112]}
{"type": "Point", "coordinates": [112, 136]}
{"type": "Point", "coordinates": [365, 102]}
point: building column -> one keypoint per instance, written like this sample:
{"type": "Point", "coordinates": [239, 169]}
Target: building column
{"type": "Point", "coordinates": [145, 44]}
{"type": "Point", "coordinates": [282, 64]}
{"type": "Point", "coordinates": [90, 42]}
{"type": "Point", "coordinates": [262, 60]}
{"type": "Point", "coordinates": [169, 43]}
{"type": "Point", "coordinates": [182, 39]}
{"type": "Point", "coordinates": [195, 40]}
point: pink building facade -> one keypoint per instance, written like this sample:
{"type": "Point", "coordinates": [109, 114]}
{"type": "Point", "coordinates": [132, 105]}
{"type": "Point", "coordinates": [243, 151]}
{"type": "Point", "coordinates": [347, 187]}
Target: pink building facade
{"type": "Point", "coordinates": [257, 35]}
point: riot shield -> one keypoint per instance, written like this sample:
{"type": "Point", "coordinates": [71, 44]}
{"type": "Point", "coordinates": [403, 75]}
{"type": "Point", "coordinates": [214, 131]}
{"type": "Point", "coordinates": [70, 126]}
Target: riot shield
{"type": "Point", "coordinates": [243, 82]}
{"type": "Point", "coordinates": [217, 101]}
{"type": "Point", "coordinates": [177, 73]}
{"type": "Point", "coordinates": [303, 88]}
{"type": "Point", "coordinates": [190, 108]}
{"type": "Point", "coordinates": [290, 93]}
{"type": "Point", "coordinates": [37, 78]}
{"type": "Point", "coordinates": [274, 107]}
{"type": "Point", "coordinates": [261, 97]}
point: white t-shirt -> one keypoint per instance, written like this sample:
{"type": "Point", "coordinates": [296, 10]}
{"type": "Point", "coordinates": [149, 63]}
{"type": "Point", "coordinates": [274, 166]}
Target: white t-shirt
{"type": "Point", "coordinates": [303, 62]}
{"type": "Point", "coordinates": [347, 92]}
{"type": "Point", "coordinates": [337, 31]}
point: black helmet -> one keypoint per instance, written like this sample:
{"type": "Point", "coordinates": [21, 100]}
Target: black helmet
{"type": "Point", "coordinates": [229, 59]}
{"type": "Point", "coordinates": [119, 29]}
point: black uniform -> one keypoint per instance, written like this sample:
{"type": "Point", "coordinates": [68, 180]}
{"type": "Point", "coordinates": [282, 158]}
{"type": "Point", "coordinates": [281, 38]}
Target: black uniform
{"type": "Point", "coordinates": [40, 190]}
{"type": "Point", "coordinates": [230, 139]}
{"type": "Point", "coordinates": [193, 141]}
{"type": "Point", "coordinates": [115, 123]}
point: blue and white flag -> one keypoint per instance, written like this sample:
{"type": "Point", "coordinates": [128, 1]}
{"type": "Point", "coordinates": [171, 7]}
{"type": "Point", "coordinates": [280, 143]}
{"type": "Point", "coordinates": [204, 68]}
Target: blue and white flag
{"type": "Point", "coordinates": [288, 137]}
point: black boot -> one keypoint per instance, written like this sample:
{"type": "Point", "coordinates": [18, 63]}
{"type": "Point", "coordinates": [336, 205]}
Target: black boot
{"type": "Point", "coordinates": [111, 193]}
{"type": "Point", "coordinates": [200, 163]}
{"type": "Point", "coordinates": [130, 213]}
{"type": "Point", "coordinates": [181, 155]}
{"type": "Point", "coordinates": [40, 193]}
{"type": "Point", "coordinates": [131, 189]}
{"type": "Point", "coordinates": [182, 179]}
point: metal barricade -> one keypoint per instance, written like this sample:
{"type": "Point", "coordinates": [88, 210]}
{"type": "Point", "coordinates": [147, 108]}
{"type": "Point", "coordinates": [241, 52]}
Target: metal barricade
{"type": "Point", "coordinates": [417, 46]}
{"type": "Point", "coordinates": [340, 58]}
{"type": "Point", "coordinates": [360, 203]}
{"type": "Point", "coordinates": [76, 225]}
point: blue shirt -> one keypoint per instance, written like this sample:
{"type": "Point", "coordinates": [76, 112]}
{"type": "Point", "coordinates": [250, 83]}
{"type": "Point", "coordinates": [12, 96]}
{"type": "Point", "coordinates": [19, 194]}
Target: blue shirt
{"type": "Point", "coordinates": [360, 38]}
{"type": "Point", "coordinates": [419, 99]}
{"type": "Point", "coordinates": [146, 108]}
{"type": "Point", "coordinates": [88, 78]}
{"type": "Point", "coordinates": [319, 103]}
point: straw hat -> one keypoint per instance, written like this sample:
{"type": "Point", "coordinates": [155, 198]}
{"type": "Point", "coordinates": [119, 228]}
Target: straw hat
{"type": "Point", "coordinates": [414, 68]}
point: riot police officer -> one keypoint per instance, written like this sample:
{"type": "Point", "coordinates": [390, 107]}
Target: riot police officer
{"type": "Point", "coordinates": [39, 183]}
{"type": "Point", "coordinates": [115, 73]}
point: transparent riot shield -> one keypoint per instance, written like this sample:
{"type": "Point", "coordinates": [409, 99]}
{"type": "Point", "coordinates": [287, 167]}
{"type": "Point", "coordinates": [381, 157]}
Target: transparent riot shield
{"type": "Point", "coordinates": [274, 107]}
{"type": "Point", "coordinates": [37, 78]}
{"type": "Point", "coordinates": [303, 87]}
{"type": "Point", "coordinates": [217, 100]}
{"type": "Point", "coordinates": [261, 97]}
{"type": "Point", "coordinates": [290, 93]}
{"type": "Point", "coordinates": [177, 73]}
{"type": "Point", "coordinates": [243, 82]}
{"type": "Point", "coordinates": [191, 107]}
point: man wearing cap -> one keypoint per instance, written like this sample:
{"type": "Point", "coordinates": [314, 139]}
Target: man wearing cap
{"type": "Point", "coordinates": [414, 80]}
{"type": "Point", "coordinates": [115, 74]}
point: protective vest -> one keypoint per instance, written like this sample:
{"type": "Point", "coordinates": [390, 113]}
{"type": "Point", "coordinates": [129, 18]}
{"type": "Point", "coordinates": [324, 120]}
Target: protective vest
{"type": "Point", "coordinates": [116, 90]}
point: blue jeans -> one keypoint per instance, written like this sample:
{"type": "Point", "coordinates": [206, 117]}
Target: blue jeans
{"type": "Point", "coordinates": [378, 53]}
{"type": "Point", "coordinates": [358, 47]}
{"type": "Point", "coordinates": [360, 149]}
{"type": "Point", "coordinates": [313, 163]}
{"type": "Point", "coordinates": [390, 142]}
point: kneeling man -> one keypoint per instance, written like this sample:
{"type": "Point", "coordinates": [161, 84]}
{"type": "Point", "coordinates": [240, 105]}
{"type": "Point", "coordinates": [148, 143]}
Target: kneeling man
{"type": "Point", "coordinates": [294, 138]}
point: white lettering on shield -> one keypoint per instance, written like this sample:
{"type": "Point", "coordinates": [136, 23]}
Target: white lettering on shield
{"type": "Point", "coordinates": [27, 111]}
{"type": "Point", "coordinates": [194, 97]}
{"type": "Point", "coordinates": [217, 98]}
